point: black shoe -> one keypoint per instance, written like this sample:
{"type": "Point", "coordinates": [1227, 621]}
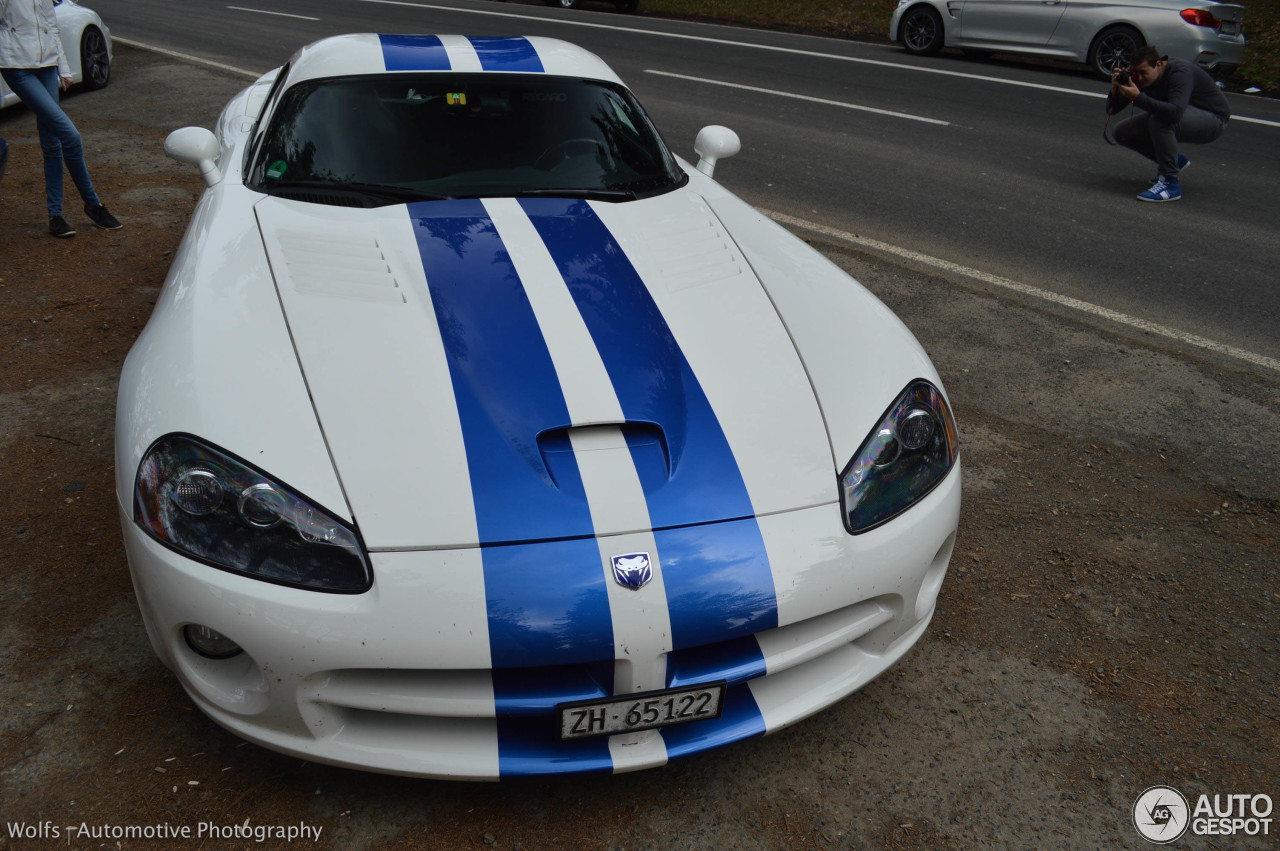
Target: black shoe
{"type": "Point", "coordinates": [58, 227]}
{"type": "Point", "coordinates": [101, 218]}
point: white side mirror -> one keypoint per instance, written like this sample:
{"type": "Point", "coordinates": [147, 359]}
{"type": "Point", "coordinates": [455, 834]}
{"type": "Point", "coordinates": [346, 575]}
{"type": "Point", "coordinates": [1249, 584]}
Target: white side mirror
{"type": "Point", "coordinates": [198, 147]}
{"type": "Point", "coordinates": [715, 143]}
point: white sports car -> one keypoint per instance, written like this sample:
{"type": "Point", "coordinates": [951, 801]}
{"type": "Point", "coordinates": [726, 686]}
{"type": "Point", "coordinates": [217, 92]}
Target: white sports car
{"type": "Point", "coordinates": [474, 434]}
{"type": "Point", "coordinates": [86, 42]}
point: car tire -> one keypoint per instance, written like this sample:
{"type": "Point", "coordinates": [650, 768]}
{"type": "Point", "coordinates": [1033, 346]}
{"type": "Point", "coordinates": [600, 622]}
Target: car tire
{"type": "Point", "coordinates": [921, 31]}
{"type": "Point", "coordinates": [95, 60]}
{"type": "Point", "coordinates": [1114, 47]}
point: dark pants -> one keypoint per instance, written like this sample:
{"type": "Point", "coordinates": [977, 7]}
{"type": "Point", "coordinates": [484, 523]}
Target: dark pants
{"type": "Point", "coordinates": [1158, 140]}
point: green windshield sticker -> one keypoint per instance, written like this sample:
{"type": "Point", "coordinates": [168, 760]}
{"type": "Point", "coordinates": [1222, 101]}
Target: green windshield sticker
{"type": "Point", "coordinates": [276, 170]}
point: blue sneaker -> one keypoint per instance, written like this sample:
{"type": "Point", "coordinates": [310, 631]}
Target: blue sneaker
{"type": "Point", "coordinates": [1183, 162]}
{"type": "Point", "coordinates": [1166, 188]}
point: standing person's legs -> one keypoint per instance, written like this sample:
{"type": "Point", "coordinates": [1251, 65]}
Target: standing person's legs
{"type": "Point", "coordinates": [59, 139]}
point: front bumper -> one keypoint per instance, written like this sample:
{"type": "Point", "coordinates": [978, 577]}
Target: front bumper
{"type": "Point", "coordinates": [399, 679]}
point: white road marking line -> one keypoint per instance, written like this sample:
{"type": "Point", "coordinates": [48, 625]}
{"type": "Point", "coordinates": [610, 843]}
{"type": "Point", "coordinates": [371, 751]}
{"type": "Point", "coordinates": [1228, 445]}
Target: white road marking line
{"type": "Point", "coordinates": [774, 49]}
{"type": "Point", "coordinates": [794, 96]}
{"type": "Point", "coordinates": [187, 57]}
{"type": "Point", "coordinates": [1034, 292]}
{"type": "Point", "coordinates": [277, 14]}
{"type": "Point", "coordinates": [1255, 120]}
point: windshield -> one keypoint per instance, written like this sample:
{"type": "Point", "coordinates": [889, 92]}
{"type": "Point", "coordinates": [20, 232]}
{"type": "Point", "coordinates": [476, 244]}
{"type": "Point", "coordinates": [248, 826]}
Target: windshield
{"type": "Point", "coordinates": [390, 138]}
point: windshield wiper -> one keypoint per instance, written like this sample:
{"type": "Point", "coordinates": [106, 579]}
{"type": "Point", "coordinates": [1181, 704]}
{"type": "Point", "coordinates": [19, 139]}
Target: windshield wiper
{"type": "Point", "coordinates": [587, 194]}
{"type": "Point", "coordinates": [381, 190]}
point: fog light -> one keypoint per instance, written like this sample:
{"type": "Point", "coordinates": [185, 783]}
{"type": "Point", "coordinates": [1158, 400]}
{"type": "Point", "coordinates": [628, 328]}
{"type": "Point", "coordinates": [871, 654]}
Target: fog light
{"type": "Point", "coordinates": [210, 643]}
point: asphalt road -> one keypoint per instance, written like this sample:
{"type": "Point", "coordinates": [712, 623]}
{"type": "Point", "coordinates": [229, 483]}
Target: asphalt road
{"type": "Point", "coordinates": [998, 166]}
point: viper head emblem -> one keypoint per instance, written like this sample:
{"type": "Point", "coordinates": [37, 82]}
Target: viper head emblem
{"type": "Point", "coordinates": [632, 570]}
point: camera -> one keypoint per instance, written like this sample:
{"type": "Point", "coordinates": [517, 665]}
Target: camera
{"type": "Point", "coordinates": [1123, 78]}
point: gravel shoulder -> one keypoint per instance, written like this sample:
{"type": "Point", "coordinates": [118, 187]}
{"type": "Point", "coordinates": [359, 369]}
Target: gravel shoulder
{"type": "Point", "coordinates": [1108, 623]}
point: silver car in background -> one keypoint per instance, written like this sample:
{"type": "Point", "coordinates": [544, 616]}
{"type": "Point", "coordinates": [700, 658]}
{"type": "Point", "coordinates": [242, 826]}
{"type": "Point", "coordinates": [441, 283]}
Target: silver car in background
{"type": "Point", "coordinates": [1103, 35]}
{"type": "Point", "coordinates": [86, 41]}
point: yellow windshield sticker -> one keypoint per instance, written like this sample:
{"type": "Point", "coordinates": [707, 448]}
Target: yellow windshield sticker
{"type": "Point", "coordinates": [456, 99]}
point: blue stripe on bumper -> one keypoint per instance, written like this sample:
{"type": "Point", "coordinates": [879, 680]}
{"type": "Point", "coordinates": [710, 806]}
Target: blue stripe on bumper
{"type": "Point", "coordinates": [740, 719]}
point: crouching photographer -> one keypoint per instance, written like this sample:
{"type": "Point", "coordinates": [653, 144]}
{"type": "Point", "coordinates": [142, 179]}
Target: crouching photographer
{"type": "Point", "coordinates": [1179, 102]}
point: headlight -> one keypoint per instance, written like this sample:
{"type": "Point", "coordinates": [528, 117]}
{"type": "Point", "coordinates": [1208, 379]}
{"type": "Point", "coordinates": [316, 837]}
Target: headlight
{"type": "Point", "coordinates": [208, 505]}
{"type": "Point", "coordinates": [907, 454]}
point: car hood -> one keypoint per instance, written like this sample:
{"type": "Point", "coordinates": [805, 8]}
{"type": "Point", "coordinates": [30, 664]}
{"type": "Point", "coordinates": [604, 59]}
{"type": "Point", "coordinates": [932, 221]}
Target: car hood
{"type": "Point", "coordinates": [462, 354]}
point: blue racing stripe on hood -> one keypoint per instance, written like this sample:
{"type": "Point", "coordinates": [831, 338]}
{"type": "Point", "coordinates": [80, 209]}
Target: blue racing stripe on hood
{"type": "Point", "coordinates": [547, 601]}
{"type": "Point", "coordinates": [504, 381]}
{"type": "Point", "coordinates": [414, 53]}
{"type": "Point", "coordinates": [506, 53]}
{"type": "Point", "coordinates": [653, 381]}
{"type": "Point", "coordinates": [717, 575]}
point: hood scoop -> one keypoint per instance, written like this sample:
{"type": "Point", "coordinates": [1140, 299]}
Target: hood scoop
{"type": "Point", "coordinates": [646, 442]}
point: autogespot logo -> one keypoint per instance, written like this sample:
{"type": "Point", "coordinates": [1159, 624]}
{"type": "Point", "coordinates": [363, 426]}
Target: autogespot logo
{"type": "Point", "coordinates": [1161, 815]}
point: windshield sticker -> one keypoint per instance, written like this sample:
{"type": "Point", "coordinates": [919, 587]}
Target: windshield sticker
{"type": "Point", "coordinates": [275, 171]}
{"type": "Point", "coordinates": [456, 98]}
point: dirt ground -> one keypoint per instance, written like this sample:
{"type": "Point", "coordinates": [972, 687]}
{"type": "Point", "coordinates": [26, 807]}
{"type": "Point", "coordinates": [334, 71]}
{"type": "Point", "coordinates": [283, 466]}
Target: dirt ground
{"type": "Point", "coordinates": [1109, 622]}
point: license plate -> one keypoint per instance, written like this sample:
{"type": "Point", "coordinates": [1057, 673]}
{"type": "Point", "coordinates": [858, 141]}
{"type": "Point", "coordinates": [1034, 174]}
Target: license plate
{"type": "Point", "coordinates": [644, 711]}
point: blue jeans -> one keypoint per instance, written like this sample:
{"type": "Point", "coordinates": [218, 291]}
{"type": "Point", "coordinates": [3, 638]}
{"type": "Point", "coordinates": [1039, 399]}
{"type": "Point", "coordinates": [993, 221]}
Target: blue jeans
{"type": "Point", "coordinates": [1158, 140]}
{"type": "Point", "coordinates": [59, 139]}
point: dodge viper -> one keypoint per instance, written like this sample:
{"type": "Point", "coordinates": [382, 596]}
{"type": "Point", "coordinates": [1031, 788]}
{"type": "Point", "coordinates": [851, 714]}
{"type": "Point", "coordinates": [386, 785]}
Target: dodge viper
{"type": "Point", "coordinates": [475, 434]}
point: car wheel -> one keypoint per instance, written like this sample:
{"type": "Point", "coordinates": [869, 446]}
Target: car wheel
{"type": "Point", "coordinates": [922, 32]}
{"type": "Point", "coordinates": [1115, 47]}
{"type": "Point", "coordinates": [95, 61]}
{"type": "Point", "coordinates": [565, 4]}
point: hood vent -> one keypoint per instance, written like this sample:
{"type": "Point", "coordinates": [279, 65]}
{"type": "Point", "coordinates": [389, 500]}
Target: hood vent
{"type": "Point", "coordinates": [693, 251]}
{"type": "Point", "coordinates": [350, 265]}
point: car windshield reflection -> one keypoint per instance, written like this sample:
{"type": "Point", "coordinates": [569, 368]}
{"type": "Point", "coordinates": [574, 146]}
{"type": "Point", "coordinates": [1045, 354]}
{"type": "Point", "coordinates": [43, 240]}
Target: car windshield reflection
{"type": "Point", "coordinates": [386, 140]}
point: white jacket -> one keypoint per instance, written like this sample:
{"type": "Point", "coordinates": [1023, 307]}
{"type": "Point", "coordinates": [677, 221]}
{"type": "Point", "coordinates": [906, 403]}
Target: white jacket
{"type": "Point", "coordinates": [29, 36]}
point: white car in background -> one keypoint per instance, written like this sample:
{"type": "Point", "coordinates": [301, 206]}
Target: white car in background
{"type": "Point", "coordinates": [476, 435]}
{"type": "Point", "coordinates": [86, 41]}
